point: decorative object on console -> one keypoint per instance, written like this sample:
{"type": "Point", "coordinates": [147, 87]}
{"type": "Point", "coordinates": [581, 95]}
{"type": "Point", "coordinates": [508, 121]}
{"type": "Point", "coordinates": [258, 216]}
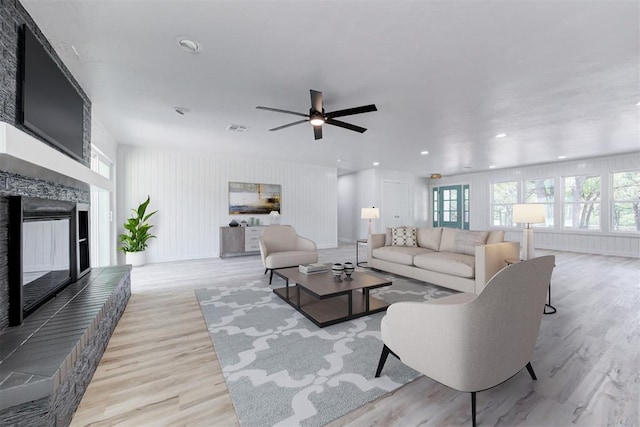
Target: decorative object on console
{"type": "Point", "coordinates": [528, 214]}
{"type": "Point", "coordinates": [253, 199]}
{"type": "Point", "coordinates": [370, 214]}
{"type": "Point", "coordinates": [337, 270]}
{"type": "Point", "coordinates": [233, 223]}
{"type": "Point", "coordinates": [274, 217]}
{"type": "Point", "coordinates": [348, 270]}
{"type": "Point", "coordinates": [134, 242]}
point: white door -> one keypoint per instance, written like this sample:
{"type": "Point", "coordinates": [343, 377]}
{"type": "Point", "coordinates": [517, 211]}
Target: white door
{"type": "Point", "coordinates": [396, 204]}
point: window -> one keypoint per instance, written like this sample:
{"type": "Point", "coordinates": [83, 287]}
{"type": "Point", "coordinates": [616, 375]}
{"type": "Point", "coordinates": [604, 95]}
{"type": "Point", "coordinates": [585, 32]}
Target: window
{"type": "Point", "coordinates": [541, 191]}
{"type": "Point", "coordinates": [625, 209]}
{"type": "Point", "coordinates": [582, 202]}
{"type": "Point", "coordinates": [504, 196]}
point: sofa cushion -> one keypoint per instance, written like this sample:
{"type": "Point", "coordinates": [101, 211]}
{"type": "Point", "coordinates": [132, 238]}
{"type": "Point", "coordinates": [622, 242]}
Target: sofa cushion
{"type": "Point", "coordinates": [466, 241]}
{"type": "Point", "coordinates": [388, 237]}
{"type": "Point", "coordinates": [454, 264]}
{"type": "Point", "coordinates": [399, 254]}
{"type": "Point", "coordinates": [404, 236]}
{"type": "Point", "coordinates": [448, 239]}
{"type": "Point", "coordinates": [429, 238]}
{"type": "Point", "coordinates": [290, 259]}
{"type": "Point", "coordinates": [496, 236]}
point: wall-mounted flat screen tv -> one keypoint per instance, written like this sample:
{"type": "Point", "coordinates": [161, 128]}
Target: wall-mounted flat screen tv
{"type": "Point", "coordinates": [51, 106]}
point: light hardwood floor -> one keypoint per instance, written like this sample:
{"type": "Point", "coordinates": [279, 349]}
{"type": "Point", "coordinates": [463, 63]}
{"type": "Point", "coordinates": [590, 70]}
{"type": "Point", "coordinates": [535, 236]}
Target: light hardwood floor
{"type": "Point", "coordinates": [161, 369]}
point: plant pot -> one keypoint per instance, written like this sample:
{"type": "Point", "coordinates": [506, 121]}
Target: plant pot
{"type": "Point", "coordinates": [136, 259]}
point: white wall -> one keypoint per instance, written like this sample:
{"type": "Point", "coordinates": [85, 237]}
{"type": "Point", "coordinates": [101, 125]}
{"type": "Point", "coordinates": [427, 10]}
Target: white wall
{"type": "Point", "coordinates": [190, 190]}
{"type": "Point", "coordinates": [364, 189]}
{"type": "Point", "coordinates": [596, 242]}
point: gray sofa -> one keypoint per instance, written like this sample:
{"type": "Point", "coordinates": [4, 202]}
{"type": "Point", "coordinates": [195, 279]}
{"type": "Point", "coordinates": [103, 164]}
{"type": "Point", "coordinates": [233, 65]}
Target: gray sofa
{"type": "Point", "coordinates": [456, 259]}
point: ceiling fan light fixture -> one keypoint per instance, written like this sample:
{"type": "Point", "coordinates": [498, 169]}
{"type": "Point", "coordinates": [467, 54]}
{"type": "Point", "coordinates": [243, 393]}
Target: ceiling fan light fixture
{"type": "Point", "coordinates": [316, 118]}
{"type": "Point", "coordinates": [435, 176]}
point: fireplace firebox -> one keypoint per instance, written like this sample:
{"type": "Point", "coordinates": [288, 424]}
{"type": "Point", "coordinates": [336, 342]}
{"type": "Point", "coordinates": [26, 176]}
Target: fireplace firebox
{"type": "Point", "coordinates": [48, 250]}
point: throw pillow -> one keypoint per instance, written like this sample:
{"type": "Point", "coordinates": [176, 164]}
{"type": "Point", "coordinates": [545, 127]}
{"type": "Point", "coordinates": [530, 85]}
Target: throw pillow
{"type": "Point", "coordinates": [388, 238]}
{"type": "Point", "coordinates": [466, 241]}
{"type": "Point", "coordinates": [403, 236]}
{"type": "Point", "coordinates": [429, 238]}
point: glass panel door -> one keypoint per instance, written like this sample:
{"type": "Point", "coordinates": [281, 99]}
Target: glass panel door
{"type": "Point", "coordinates": [450, 206]}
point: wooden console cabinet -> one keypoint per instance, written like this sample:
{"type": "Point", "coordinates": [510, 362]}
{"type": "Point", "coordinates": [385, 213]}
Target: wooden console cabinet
{"type": "Point", "coordinates": [239, 240]}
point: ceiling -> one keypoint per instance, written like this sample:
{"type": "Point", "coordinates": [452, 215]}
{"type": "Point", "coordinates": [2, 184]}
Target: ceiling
{"type": "Point", "coordinates": [560, 78]}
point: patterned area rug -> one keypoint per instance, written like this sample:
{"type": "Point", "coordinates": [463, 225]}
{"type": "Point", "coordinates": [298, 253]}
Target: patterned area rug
{"type": "Point", "coordinates": [282, 370]}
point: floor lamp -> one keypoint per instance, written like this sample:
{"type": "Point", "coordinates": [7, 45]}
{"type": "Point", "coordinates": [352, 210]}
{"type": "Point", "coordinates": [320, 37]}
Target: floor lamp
{"type": "Point", "coordinates": [528, 214]}
{"type": "Point", "coordinates": [370, 214]}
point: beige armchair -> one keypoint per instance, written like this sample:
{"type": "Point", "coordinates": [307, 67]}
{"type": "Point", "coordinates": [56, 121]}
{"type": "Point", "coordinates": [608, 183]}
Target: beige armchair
{"type": "Point", "coordinates": [472, 342]}
{"type": "Point", "coordinates": [281, 247]}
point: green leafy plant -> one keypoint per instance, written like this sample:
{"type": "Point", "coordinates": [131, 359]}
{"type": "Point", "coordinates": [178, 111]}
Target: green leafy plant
{"type": "Point", "coordinates": [137, 236]}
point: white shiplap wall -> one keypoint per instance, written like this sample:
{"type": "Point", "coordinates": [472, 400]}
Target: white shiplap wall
{"type": "Point", "coordinates": [190, 190]}
{"type": "Point", "coordinates": [596, 242]}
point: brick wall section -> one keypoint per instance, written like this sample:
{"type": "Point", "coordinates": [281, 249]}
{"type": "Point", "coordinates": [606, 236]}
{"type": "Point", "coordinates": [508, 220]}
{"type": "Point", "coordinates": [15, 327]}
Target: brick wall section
{"type": "Point", "coordinates": [4, 268]}
{"type": "Point", "coordinates": [58, 409]}
{"type": "Point", "coordinates": [12, 15]}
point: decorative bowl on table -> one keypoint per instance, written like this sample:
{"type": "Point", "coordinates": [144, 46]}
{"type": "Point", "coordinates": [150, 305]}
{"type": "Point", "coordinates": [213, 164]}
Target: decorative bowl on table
{"type": "Point", "coordinates": [337, 269]}
{"type": "Point", "coordinates": [348, 270]}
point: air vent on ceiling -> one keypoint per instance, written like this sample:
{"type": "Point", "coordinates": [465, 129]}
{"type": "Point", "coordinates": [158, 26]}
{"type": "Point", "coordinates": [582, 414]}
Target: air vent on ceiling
{"type": "Point", "coordinates": [237, 128]}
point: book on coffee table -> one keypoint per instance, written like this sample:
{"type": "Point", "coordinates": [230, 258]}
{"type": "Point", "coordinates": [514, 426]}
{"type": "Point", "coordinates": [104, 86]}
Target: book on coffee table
{"type": "Point", "coordinates": [313, 268]}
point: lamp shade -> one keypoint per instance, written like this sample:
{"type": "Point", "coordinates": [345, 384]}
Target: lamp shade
{"type": "Point", "coordinates": [370, 213]}
{"type": "Point", "coordinates": [528, 213]}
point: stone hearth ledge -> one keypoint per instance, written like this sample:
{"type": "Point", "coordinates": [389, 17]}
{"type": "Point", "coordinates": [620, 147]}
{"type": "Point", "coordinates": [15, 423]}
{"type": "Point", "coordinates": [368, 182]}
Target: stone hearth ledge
{"type": "Point", "coordinates": [47, 362]}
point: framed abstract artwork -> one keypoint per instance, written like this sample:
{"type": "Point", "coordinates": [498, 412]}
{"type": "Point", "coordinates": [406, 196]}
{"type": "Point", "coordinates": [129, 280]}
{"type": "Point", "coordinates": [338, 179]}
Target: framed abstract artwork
{"type": "Point", "coordinates": [254, 199]}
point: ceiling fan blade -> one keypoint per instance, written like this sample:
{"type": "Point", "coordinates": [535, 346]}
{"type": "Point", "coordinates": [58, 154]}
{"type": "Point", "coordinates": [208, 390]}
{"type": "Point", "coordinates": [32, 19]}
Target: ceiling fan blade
{"type": "Point", "coordinates": [282, 111]}
{"type": "Point", "coordinates": [316, 100]}
{"type": "Point", "coordinates": [351, 111]}
{"type": "Point", "coordinates": [317, 132]}
{"type": "Point", "coordinates": [290, 124]}
{"type": "Point", "coordinates": [345, 125]}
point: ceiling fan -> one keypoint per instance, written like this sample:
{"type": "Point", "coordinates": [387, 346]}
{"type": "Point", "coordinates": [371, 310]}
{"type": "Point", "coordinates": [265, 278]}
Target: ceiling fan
{"type": "Point", "coordinates": [317, 117]}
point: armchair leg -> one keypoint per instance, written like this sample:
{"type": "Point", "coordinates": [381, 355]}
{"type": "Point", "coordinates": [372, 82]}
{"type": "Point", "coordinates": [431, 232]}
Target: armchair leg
{"type": "Point", "coordinates": [265, 270]}
{"type": "Point", "coordinates": [271, 276]}
{"type": "Point", "coordinates": [473, 408]}
{"type": "Point", "coordinates": [530, 369]}
{"type": "Point", "coordinates": [383, 359]}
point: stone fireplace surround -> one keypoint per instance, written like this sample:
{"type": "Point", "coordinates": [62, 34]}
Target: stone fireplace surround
{"type": "Point", "coordinates": [47, 363]}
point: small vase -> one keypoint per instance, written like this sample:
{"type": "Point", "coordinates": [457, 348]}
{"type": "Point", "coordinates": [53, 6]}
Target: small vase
{"type": "Point", "coordinates": [348, 270]}
{"type": "Point", "coordinates": [337, 270]}
{"type": "Point", "coordinates": [233, 223]}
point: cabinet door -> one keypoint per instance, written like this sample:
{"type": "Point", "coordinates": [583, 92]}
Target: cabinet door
{"type": "Point", "coordinates": [231, 240]}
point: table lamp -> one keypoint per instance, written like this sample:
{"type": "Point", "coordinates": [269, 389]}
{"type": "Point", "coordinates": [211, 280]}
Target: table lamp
{"type": "Point", "coordinates": [528, 214]}
{"type": "Point", "coordinates": [370, 214]}
{"type": "Point", "coordinates": [274, 217]}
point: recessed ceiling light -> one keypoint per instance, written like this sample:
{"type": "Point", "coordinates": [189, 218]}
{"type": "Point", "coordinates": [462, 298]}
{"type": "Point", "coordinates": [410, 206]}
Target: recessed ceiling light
{"type": "Point", "coordinates": [638, 104]}
{"type": "Point", "coordinates": [424, 153]}
{"type": "Point", "coordinates": [562, 157]}
{"type": "Point", "coordinates": [181, 110]}
{"type": "Point", "coordinates": [492, 167]}
{"type": "Point", "coordinates": [339, 160]}
{"type": "Point", "coordinates": [188, 44]}
{"type": "Point", "coordinates": [501, 135]}
{"type": "Point", "coordinates": [376, 163]}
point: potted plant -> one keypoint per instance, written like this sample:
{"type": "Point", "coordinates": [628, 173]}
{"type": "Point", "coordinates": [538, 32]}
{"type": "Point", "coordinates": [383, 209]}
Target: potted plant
{"type": "Point", "coordinates": [134, 241]}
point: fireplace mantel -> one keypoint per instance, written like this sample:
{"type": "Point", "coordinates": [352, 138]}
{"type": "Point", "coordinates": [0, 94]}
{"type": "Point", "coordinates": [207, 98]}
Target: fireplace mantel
{"type": "Point", "coordinates": [25, 155]}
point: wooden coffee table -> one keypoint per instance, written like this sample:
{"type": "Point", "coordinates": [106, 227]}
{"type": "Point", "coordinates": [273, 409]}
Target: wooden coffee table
{"type": "Point", "coordinates": [326, 302]}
